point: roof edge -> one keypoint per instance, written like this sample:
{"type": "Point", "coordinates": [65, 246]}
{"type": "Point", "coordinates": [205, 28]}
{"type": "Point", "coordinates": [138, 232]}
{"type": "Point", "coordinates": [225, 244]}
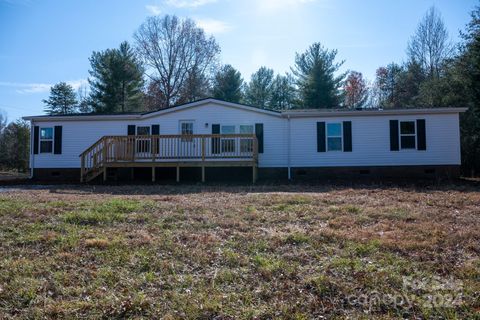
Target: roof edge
{"type": "Point", "coordinates": [149, 114]}
{"type": "Point", "coordinates": [359, 113]}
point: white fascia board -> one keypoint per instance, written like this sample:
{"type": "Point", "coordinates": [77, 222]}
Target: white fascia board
{"type": "Point", "coordinates": [316, 113]}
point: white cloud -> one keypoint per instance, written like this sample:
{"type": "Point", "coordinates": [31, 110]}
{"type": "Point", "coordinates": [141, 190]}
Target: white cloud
{"type": "Point", "coordinates": [213, 26]}
{"type": "Point", "coordinates": [76, 84]}
{"type": "Point", "coordinates": [28, 88]}
{"type": "Point", "coordinates": [188, 3]}
{"type": "Point", "coordinates": [155, 10]}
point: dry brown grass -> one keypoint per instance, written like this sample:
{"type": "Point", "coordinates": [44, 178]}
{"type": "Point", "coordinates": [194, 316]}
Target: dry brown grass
{"type": "Point", "coordinates": [295, 252]}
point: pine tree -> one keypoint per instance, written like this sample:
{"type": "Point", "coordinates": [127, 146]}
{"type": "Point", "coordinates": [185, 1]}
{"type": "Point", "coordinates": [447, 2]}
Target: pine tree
{"type": "Point", "coordinates": [116, 81]}
{"type": "Point", "coordinates": [315, 70]}
{"type": "Point", "coordinates": [227, 84]}
{"type": "Point", "coordinates": [62, 99]}
{"type": "Point", "coordinates": [259, 90]}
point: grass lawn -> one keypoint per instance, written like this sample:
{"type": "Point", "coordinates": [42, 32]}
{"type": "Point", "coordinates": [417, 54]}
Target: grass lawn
{"type": "Point", "coordinates": [233, 252]}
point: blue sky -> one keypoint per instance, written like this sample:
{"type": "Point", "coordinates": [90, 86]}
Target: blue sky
{"type": "Point", "coordinates": [44, 42]}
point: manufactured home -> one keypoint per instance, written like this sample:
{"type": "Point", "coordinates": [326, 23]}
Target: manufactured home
{"type": "Point", "coordinates": [211, 138]}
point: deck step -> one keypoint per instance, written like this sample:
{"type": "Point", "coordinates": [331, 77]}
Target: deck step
{"type": "Point", "coordinates": [92, 174]}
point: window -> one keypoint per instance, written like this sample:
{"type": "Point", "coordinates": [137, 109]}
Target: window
{"type": "Point", "coordinates": [143, 131]}
{"type": "Point", "coordinates": [46, 140]}
{"type": "Point", "coordinates": [246, 144]}
{"type": "Point", "coordinates": [407, 135]}
{"type": "Point", "coordinates": [228, 144]}
{"type": "Point", "coordinates": [334, 136]}
{"type": "Point", "coordinates": [143, 144]}
{"type": "Point", "coordinates": [186, 130]}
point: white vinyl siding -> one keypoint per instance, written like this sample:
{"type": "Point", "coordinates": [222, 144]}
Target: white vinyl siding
{"type": "Point", "coordinates": [79, 135]}
{"type": "Point", "coordinates": [371, 142]}
{"type": "Point", "coordinates": [370, 137]}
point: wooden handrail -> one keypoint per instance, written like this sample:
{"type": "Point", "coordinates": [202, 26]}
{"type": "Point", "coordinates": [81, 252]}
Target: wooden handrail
{"type": "Point", "coordinates": [233, 135]}
{"type": "Point", "coordinates": [126, 149]}
{"type": "Point", "coordinates": [92, 146]}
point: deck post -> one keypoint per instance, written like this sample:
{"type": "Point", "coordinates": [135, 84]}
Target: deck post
{"type": "Point", "coordinates": [153, 173]}
{"type": "Point", "coordinates": [132, 173]}
{"type": "Point", "coordinates": [104, 174]}
{"type": "Point", "coordinates": [178, 173]}
{"type": "Point", "coordinates": [203, 159]}
{"type": "Point", "coordinates": [82, 168]}
{"type": "Point", "coordinates": [255, 159]}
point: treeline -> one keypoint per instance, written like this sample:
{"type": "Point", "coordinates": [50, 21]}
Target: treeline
{"type": "Point", "coordinates": [14, 144]}
{"type": "Point", "coordinates": [172, 61]}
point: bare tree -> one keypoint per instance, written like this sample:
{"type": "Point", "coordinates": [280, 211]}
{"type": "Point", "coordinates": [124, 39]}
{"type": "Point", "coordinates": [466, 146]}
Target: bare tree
{"type": "Point", "coordinates": [83, 100]}
{"type": "Point", "coordinates": [3, 121]}
{"type": "Point", "coordinates": [355, 90]}
{"type": "Point", "coordinates": [430, 45]}
{"type": "Point", "coordinates": [172, 48]}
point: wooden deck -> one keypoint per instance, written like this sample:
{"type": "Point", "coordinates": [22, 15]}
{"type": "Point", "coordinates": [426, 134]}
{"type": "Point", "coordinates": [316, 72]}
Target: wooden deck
{"type": "Point", "coordinates": [198, 150]}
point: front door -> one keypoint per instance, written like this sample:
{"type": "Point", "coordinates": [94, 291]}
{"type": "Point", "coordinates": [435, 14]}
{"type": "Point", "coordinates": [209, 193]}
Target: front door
{"type": "Point", "coordinates": [143, 142]}
{"type": "Point", "coordinates": [187, 144]}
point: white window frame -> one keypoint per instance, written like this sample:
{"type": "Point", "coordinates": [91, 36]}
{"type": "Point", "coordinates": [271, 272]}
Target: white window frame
{"type": "Point", "coordinates": [148, 127]}
{"type": "Point", "coordinates": [143, 144]}
{"type": "Point", "coordinates": [334, 136]}
{"type": "Point", "coordinates": [230, 142]}
{"type": "Point", "coordinates": [186, 137]}
{"type": "Point", "coordinates": [414, 135]}
{"type": "Point", "coordinates": [246, 144]}
{"type": "Point", "coordinates": [46, 140]}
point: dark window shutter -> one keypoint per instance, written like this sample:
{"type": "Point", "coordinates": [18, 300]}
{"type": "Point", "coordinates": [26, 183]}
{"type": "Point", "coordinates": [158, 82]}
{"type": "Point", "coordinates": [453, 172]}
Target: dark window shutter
{"type": "Point", "coordinates": [57, 140]}
{"type": "Point", "coordinates": [321, 143]}
{"type": "Point", "coordinates": [421, 135]}
{"type": "Point", "coordinates": [131, 130]}
{"type": "Point", "coordinates": [156, 132]}
{"type": "Point", "coordinates": [394, 135]}
{"type": "Point", "coordinates": [259, 134]}
{"type": "Point", "coordinates": [347, 136]}
{"type": "Point", "coordinates": [215, 141]}
{"type": "Point", "coordinates": [36, 139]}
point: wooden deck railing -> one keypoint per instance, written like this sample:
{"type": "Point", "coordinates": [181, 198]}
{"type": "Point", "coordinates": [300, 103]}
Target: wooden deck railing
{"type": "Point", "coordinates": [168, 148]}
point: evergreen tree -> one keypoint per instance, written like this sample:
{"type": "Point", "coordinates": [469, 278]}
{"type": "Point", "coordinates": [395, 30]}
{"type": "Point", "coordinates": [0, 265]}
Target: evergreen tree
{"type": "Point", "coordinates": [259, 90]}
{"type": "Point", "coordinates": [62, 99]}
{"type": "Point", "coordinates": [410, 80]}
{"type": "Point", "coordinates": [284, 94]}
{"type": "Point", "coordinates": [315, 70]}
{"type": "Point", "coordinates": [468, 66]}
{"type": "Point", "coordinates": [15, 146]}
{"type": "Point", "coordinates": [116, 81]}
{"type": "Point", "coordinates": [227, 84]}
